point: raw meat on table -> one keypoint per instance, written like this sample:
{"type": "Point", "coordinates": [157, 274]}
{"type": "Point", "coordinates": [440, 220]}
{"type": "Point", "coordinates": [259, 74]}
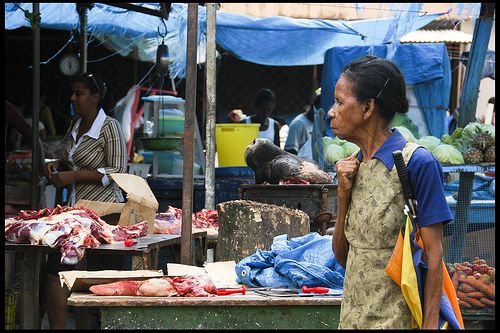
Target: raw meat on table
{"type": "Point", "coordinates": [189, 286]}
{"type": "Point", "coordinates": [70, 229]}
{"type": "Point", "coordinates": [150, 287]}
{"type": "Point", "coordinates": [170, 222]}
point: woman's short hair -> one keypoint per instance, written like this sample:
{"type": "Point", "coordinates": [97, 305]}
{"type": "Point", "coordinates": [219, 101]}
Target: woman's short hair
{"type": "Point", "coordinates": [264, 95]}
{"type": "Point", "coordinates": [380, 79]}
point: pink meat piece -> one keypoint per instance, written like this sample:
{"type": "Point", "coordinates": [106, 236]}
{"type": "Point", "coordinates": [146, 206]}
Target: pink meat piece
{"type": "Point", "coordinates": [170, 222]}
{"type": "Point", "coordinates": [73, 247]}
{"type": "Point", "coordinates": [151, 287]}
{"type": "Point", "coordinates": [157, 287]}
{"type": "Point", "coordinates": [191, 286]}
{"type": "Point", "coordinates": [132, 231]}
{"type": "Point", "coordinates": [120, 288]}
{"type": "Point", "coordinates": [56, 236]}
{"type": "Point", "coordinates": [71, 229]}
{"type": "Point", "coordinates": [30, 231]}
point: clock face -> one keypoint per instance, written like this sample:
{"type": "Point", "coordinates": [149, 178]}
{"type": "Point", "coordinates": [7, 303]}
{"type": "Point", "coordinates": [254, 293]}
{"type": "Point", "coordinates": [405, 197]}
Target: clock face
{"type": "Point", "coordinates": [70, 65]}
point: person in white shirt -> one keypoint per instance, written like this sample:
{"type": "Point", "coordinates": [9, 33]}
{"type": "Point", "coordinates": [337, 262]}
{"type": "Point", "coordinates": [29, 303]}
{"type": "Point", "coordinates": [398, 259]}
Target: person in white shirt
{"type": "Point", "coordinates": [264, 103]}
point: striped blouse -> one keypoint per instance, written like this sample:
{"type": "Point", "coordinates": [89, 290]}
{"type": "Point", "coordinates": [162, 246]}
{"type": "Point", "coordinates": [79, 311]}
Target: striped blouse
{"type": "Point", "coordinates": [103, 149]}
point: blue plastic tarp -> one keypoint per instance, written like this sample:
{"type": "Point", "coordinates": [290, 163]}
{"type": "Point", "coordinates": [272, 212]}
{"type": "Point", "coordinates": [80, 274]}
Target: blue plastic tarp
{"type": "Point", "coordinates": [422, 65]}
{"type": "Point", "coordinates": [302, 261]}
{"type": "Point", "coordinates": [273, 41]}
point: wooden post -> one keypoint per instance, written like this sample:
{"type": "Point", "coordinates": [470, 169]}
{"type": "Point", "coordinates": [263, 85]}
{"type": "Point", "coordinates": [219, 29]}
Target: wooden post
{"type": "Point", "coordinates": [35, 118]}
{"type": "Point", "coordinates": [210, 102]}
{"type": "Point", "coordinates": [189, 123]}
{"type": "Point", "coordinates": [246, 226]}
{"type": "Point", "coordinates": [475, 64]}
{"type": "Point", "coordinates": [82, 12]}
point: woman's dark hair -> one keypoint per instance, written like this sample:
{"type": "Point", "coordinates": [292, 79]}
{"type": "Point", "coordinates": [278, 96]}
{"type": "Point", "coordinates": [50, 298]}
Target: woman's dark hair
{"type": "Point", "coordinates": [94, 83]}
{"type": "Point", "coordinates": [380, 79]}
{"type": "Point", "coordinates": [264, 95]}
{"type": "Point", "coordinates": [97, 85]}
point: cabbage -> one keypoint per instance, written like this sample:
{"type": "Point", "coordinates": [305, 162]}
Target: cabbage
{"type": "Point", "coordinates": [349, 148]}
{"type": "Point", "coordinates": [488, 128]}
{"type": "Point", "coordinates": [457, 133]}
{"type": "Point", "coordinates": [406, 133]}
{"type": "Point", "coordinates": [447, 154]}
{"type": "Point", "coordinates": [403, 121]}
{"type": "Point", "coordinates": [430, 142]}
{"type": "Point", "coordinates": [334, 153]}
{"type": "Point", "coordinates": [328, 141]}
{"type": "Point", "coordinates": [448, 139]}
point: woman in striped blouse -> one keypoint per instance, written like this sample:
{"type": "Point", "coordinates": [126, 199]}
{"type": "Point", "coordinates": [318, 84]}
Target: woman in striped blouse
{"type": "Point", "coordinates": [94, 149]}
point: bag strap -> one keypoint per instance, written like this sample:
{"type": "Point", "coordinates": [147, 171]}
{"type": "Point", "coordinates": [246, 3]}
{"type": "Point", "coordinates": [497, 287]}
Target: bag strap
{"type": "Point", "coordinates": [407, 152]}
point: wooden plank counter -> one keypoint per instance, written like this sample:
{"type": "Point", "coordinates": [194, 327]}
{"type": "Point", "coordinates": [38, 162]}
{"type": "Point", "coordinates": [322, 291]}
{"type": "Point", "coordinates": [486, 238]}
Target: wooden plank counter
{"type": "Point", "coordinates": [144, 254]}
{"type": "Point", "coordinates": [250, 311]}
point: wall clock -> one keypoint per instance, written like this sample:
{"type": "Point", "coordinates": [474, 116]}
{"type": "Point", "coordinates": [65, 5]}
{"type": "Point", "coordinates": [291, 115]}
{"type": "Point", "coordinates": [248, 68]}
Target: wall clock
{"type": "Point", "coordinates": [70, 64]}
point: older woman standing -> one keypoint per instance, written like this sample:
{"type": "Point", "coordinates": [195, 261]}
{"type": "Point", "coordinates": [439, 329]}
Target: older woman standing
{"type": "Point", "coordinates": [95, 148]}
{"type": "Point", "coordinates": [368, 94]}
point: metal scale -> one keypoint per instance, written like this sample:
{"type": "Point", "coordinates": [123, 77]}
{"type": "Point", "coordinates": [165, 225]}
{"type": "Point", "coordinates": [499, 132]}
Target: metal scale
{"type": "Point", "coordinates": [163, 136]}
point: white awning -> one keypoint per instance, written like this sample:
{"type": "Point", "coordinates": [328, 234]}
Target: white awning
{"type": "Point", "coordinates": [437, 36]}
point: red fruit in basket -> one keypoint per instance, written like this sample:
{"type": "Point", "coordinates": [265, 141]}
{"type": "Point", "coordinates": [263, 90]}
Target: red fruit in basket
{"type": "Point", "coordinates": [486, 278]}
{"type": "Point", "coordinates": [479, 261]}
{"type": "Point", "coordinates": [483, 269]}
{"type": "Point", "coordinates": [477, 276]}
{"type": "Point", "coordinates": [466, 263]}
{"type": "Point", "coordinates": [474, 267]}
{"type": "Point", "coordinates": [467, 270]}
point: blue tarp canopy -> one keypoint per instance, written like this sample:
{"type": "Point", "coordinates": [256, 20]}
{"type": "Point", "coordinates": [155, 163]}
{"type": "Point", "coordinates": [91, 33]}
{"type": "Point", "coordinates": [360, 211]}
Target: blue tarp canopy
{"type": "Point", "coordinates": [426, 66]}
{"type": "Point", "coordinates": [273, 41]}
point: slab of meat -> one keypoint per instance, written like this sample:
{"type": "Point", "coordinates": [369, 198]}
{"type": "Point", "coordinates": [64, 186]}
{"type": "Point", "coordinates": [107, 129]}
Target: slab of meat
{"type": "Point", "coordinates": [170, 222]}
{"type": "Point", "coordinates": [149, 287]}
{"type": "Point", "coordinates": [189, 286]}
{"type": "Point", "coordinates": [70, 229]}
{"type": "Point", "coordinates": [273, 165]}
{"type": "Point", "coordinates": [192, 286]}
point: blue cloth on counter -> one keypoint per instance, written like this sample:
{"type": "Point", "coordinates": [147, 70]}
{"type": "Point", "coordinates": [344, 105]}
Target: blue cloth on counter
{"type": "Point", "coordinates": [302, 261]}
{"type": "Point", "coordinates": [483, 188]}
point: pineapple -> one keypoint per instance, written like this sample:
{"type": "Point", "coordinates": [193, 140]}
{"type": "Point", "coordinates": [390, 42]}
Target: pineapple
{"type": "Point", "coordinates": [473, 156]}
{"type": "Point", "coordinates": [489, 154]}
{"type": "Point", "coordinates": [483, 141]}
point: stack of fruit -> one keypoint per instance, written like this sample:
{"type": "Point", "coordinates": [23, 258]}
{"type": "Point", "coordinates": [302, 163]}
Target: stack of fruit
{"type": "Point", "coordinates": [475, 141]}
{"type": "Point", "coordinates": [482, 150]}
{"type": "Point", "coordinates": [474, 283]}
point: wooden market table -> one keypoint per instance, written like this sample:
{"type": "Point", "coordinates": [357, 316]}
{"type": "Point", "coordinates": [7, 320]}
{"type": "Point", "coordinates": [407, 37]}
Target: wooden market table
{"type": "Point", "coordinates": [250, 311]}
{"type": "Point", "coordinates": [144, 255]}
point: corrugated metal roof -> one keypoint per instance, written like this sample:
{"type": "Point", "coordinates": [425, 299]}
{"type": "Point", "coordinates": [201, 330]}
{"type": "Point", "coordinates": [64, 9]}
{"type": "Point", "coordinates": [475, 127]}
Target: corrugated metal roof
{"type": "Point", "coordinates": [437, 36]}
